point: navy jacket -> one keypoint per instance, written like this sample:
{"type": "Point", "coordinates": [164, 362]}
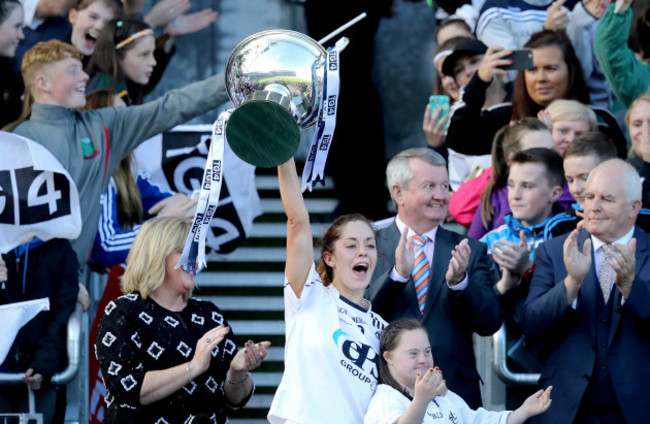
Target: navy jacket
{"type": "Point", "coordinates": [568, 335]}
{"type": "Point", "coordinates": [450, 317]}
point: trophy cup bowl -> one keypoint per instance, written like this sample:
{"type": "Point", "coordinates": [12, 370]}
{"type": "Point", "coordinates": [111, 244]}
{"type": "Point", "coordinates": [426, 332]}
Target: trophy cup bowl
{"type": "Point", "coordinates": [275, 81]}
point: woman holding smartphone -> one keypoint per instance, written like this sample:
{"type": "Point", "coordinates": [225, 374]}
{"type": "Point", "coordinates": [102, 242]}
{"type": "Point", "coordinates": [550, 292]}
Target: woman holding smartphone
{"type": "Point", "coordinates": [556, 74]}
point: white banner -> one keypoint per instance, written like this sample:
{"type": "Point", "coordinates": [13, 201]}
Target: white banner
{"type": "Point", "coordinates": [13, 316]}
{"type": "Point", "coordinates": [37, 196]}
{"type": "Point", "coordinates": [175, 167]}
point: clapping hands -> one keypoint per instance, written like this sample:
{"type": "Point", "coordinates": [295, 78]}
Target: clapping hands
{"type": "Point", "coordinates": [250, 357]}
{"type": "Point", "coordinates": [623, 261]}
{"type": "Point", "coordinates": [512, 256]}
{"type": "Point", "coordinates": [458, 264]}
{"type": "Point", "coordinates": [430, 385]}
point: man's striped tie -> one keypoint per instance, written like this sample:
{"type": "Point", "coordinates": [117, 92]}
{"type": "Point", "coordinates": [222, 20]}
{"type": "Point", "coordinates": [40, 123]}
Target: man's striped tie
{"type": "Point", "coordinates": [421, 270]}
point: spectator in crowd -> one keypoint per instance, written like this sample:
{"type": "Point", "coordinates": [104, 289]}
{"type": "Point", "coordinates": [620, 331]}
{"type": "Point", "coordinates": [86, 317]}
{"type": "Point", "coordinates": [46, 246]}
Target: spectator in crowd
{"type": "Point", "coordinates": [467, 60]}
{"type": "Point", "coordinates": [48, 21]}
{"type": "Point", "coordinates": [444, 84]}
{"type": "Point", "coordinates": [80, 22]}
{"type": "Point", "coordinates": [131, 199]}
{"type": "Point", "coordinates": [87, 20]}
{"type": "Point", "coordinates": [587, 306]}
{"type": "Point", "coordinates": [11, 85]}
{"type": "Point", "coordinates": [432, 274]}
{"type": "Point", "coordinates": [36, 270]}
{"type": "Point", "coordinates": [433, 125]}
{"type": "Point", "coordinates": [452, 28]}
{"type": "Point", "coordinates": [627, 76]}
{"type": "Point", "coordinates": [464, 202]}
{"type": "Point", "coordinates": [449, 33]}
{"type": "Point", "coordinates": [413, 391]}
{"type": "Point", "coordinates": [568, 119]}
{"type": "Point", "coordinates": [535, 182]}
{"type": "Point", "coordinates": [582, 32]}
{"type": "Point", "coordinates": [523, 135]}
{"type": "Point", "coordinates": [556, 74]}
{"type": "Point", "coordinates": [638, 125]}
{"type": "Point", "coordinates": [324, 302]}
{"type": "Point", "coordinates": [510, 23]}
{"type": "Point", "coordinates": [464, 64]}
{"type": "Point", "coordinates": [124, 61]}
{"type": "Point", "coordinates": [129, 60]}
{"type": "Point", "coordinates": [90, 144]}
{"type": "Point", "coordinates": [154, 369]}
{"type": "Point", "coordinates": [590, 150]}
{"type": "Point", "coordinates": [580, 158]}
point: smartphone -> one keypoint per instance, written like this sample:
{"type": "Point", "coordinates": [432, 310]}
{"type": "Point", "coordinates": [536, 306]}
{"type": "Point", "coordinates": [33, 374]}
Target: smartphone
{"type": "Point", "coordinates": [439, 102]}
{"type": "Point", "coordinates": [521, 59]}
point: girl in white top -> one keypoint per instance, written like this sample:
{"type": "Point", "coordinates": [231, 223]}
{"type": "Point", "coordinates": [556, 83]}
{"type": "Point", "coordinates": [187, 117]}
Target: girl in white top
{"type": "Point", "coordinates": [332, 345]}
{"type": "Point", "coordinates": [412, 391]}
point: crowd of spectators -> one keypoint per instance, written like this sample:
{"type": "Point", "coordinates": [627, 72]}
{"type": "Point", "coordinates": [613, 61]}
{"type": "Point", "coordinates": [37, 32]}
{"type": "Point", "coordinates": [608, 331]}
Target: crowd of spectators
{"type": "Point", "coordinates": [543, 168]}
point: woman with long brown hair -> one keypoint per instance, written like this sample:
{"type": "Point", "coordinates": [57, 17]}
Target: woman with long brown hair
{"type": "Point", "coordinates": [332, 335]}
{"type": "Point", "coordinates": [556, 74]}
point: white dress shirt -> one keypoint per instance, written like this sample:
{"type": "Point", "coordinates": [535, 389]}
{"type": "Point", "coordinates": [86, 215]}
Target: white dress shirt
{"type": "Point", "coordinates": [429, 249]}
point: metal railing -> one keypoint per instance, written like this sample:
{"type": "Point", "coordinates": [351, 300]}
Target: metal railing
{"type": "Point", "coordinates": [500, 362]}
{"type": "Point", "coordinates": [74, 354]}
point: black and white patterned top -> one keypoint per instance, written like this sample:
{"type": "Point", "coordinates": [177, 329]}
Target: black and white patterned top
{"type": "Point", "coordinates": [137, 335]}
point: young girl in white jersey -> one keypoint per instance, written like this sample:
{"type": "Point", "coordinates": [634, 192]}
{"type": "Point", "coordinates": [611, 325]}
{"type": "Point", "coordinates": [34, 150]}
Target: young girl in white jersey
{"type": "Point", "coordinates": [332, 346]}
{"type": "Point", "coordinates": [412, 391]}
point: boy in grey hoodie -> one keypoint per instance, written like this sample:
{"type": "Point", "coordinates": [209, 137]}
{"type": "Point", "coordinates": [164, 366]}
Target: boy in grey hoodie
{"type": "Point", "coordinates": [89, 144]}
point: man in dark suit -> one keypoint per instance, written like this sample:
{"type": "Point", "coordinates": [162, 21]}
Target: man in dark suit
{"type": "Point", "coordinates": [588, 307]}
{"type": "Point", "coordinates": [451, 275]}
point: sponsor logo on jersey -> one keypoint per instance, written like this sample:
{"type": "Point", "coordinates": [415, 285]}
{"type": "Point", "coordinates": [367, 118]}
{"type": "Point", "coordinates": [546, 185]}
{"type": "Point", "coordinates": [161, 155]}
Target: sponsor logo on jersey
{"type": "Point", "coordinates": [360, 359]}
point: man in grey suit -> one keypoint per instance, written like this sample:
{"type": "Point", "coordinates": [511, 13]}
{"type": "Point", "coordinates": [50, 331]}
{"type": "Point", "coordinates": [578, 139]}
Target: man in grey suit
{"type": "Point", "coordinates": [432, 274]}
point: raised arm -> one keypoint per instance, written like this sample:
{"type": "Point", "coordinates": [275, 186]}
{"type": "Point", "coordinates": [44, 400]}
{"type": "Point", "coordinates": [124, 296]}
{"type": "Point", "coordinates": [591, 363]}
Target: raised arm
{"type": "Point", "coordinates": [627, 76]}
{"type": "Point", "coordinates": [300, 244]}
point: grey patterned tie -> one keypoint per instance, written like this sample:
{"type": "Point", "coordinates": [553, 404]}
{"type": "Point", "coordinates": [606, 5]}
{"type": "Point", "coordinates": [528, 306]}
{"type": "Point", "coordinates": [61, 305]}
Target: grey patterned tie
{"type": "Point", "coordinates": [605, 273]}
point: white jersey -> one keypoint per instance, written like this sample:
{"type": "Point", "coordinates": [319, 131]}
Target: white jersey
{"type": "Point", "coordinates": [331, 357]}
{"type": "Point", "coordinates": [387, 405]}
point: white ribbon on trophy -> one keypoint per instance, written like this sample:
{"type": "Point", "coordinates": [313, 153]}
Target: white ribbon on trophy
{"type": "Point", "coordinates": [194, 249]}
{"type": "Point", "coordinates": [314, 170]}
{"type": "Point", "coordinates": [243, 92]}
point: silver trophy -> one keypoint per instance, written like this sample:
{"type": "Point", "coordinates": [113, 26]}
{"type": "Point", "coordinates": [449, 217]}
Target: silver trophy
{"type": "Point", "coordinates": [275, 81]}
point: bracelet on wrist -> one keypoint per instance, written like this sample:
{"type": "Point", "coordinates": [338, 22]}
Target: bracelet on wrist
{"type": "Point", "coordinates": [234, 383]}
{"type": "Point", "coordinates": [189, 375]}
